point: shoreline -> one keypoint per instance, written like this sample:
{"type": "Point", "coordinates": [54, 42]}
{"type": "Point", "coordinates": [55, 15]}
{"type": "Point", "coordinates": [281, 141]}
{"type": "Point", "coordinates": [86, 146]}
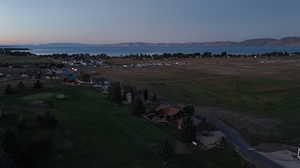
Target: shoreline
{"type": "Point", "coordinates": [159, 50]}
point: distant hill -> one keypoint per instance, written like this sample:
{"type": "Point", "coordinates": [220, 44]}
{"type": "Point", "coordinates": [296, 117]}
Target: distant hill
{"type": "Point", "coordinates": [287, 41]}
{"type": "Point", "coordinates": [55, 45]}
{"type": "Point", "coordinates": [284, 42]}
{"type": "Point", "coordinates": [258, 42]}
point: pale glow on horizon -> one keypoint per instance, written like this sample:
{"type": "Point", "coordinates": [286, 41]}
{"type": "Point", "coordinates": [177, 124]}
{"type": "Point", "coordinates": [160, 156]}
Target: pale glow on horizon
{"type": "Point", "coordinates": [115, 21]}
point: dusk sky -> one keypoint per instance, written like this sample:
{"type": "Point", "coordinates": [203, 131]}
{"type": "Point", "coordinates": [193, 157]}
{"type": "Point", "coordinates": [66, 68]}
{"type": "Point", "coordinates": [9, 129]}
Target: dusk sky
{"type": "Point", "coordinates": [113, 21]}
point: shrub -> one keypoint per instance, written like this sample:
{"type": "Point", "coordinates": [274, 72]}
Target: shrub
{"type": "Point", "coordinates": [8, 89]}
{"type": "Point", "coordinates": [85, 77]}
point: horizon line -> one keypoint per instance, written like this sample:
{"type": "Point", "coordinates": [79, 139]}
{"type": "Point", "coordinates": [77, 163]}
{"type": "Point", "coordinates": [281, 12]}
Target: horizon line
{"type": "Point", "coordinates": [149, 42]}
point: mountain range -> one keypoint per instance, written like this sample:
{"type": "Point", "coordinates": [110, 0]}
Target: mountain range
{"type": "Point", "coordinates": [283, 42]}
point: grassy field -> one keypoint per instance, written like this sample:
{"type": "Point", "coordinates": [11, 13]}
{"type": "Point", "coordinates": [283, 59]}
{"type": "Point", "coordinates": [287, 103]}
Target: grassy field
{"type": "Point", "coordinates": [106, 135]}
{"type": "Point", "coordinates": [246, 97]}
{"type": "Point", "coordinates": [244, 87]}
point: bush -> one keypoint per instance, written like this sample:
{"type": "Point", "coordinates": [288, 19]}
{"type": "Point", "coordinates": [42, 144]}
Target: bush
{"type": "Point", "coordinates": [8, 90]}
{"type": "Point", "coordinates": [85, 77]}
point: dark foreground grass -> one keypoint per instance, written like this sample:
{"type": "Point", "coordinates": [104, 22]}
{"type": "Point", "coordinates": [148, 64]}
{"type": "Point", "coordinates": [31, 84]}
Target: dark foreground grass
{"type": "Point", "coordinates": [107, 135]}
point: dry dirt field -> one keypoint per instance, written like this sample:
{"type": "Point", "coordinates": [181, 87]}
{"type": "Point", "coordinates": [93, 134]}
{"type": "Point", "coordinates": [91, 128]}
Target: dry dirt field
{"type": "Point", "coordinates": [260, 97]}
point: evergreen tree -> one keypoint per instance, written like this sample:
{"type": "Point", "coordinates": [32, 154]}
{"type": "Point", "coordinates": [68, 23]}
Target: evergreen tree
{"type": "Point", "coordinates": [138, 107]}
{"type": "Point", "coordinates": [116, 93]}
{"type": "Point", "coordinates": [146, 94]}
{"type": "Point", "coordinates": [133, 93]}
{"type": "Point", "coordinates": [223, 54]}
{"type": "Point", "coordinates": [154, 98]}
{"type": "Point", "coordinates": [21, 85]}
{"type": "Point", "coordinates": [38, 85]}
{"type": "Point", "coordinates": [189, 130]}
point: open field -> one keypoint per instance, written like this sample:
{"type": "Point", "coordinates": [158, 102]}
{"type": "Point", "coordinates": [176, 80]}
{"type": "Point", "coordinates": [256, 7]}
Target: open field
{"type": "Point", "coordinates": [106, 135]}
{"type": "Point", "coordinates": [249, 93]}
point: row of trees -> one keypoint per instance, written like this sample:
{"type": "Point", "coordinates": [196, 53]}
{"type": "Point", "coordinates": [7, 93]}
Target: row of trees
{"type": "Point", "coordinates": [21, 86]}
{"type": "Point", "coordinates": [78, 57]}
{"type": "Point", "coordinates": [14, 52]}
{"type": "Point", "coordinates": [118, 93]}
{"type": "Point", "coordinates": [205, 55]}
{"type": "Point", "coordinates": [138, 97]}
{"type": "Point", "coordinates": [223, 54]}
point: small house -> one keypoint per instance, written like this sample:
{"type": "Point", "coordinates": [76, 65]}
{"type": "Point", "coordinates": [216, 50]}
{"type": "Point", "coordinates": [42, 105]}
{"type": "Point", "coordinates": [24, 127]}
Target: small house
{"type": "Point", "coordinates": [167, 113]}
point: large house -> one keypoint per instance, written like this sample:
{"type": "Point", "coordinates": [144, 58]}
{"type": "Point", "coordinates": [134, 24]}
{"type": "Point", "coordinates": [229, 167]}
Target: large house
{"type": "Point", "coordinates": [165, 113]}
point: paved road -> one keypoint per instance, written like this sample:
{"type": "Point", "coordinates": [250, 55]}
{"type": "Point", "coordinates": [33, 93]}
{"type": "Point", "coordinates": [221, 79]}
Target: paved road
{"type": "Point", "coordinates": [240, 145]}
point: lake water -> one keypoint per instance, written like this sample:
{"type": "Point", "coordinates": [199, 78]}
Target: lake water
{"type": "Point", "coordinates": [119, 51]}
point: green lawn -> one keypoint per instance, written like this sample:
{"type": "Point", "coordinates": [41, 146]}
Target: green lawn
{"type": "Point", "coordinates": [39, 96]}
{"type": "Point", "coordinates": [264, 97]}
{"type": "Point", "coordinates": [269, 98]}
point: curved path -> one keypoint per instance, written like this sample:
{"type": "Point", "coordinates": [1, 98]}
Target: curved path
{"type": "Point", "coordinates": [240, 145]}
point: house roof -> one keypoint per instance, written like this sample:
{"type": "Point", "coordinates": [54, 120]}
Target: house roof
{"type": "Point", "coordinates": [171, 111]}
{"type": "Point", "coordinates": [161, 107]}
